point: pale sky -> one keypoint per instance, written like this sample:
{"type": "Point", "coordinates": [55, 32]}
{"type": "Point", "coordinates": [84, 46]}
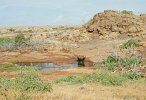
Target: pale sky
{"type": "Point", "coordinates": [60, 12]}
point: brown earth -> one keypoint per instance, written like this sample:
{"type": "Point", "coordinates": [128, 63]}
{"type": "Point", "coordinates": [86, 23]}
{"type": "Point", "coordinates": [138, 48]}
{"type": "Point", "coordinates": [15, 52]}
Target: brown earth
{"type": "Point", "coordinates": [66, 72]}
{"type": "Point", "coordinates": [95, 51]}
{"type": "Point", "coordinates": [35, 56]}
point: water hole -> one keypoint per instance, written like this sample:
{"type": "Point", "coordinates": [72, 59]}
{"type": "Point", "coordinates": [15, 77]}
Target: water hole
{"type": "Point", "coordinates": [48, 66]}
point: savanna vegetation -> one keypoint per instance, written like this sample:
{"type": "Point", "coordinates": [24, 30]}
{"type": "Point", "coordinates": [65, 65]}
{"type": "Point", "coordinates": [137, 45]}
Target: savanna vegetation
{"type": "Point", "coordinates": [115, 72]}
{"type": "Point", "coordinates": [28, 82]}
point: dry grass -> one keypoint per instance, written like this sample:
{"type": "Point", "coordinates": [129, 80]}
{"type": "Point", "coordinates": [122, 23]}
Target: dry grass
{"type": "Point", "coordinates": [84, 92]}
{"type": "Point", "coordinates": [94, 92]}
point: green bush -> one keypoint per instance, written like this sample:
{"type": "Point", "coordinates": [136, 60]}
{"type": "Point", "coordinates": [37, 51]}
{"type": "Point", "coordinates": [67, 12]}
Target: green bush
{"type": "Point", "coordinates": [131, 44]}
{"type": "Point", "coordinates": [6, 40]}
{"type": "Point", "coordinates": [127, 12]}
{"type": "Point", "coordinates": [30, 31]}
{"type": "Point", "coordinates": [32, 83]}
{"type": "Point", "coordinates": [131, 75]}
{"type": "Point", "coordinates": [20, 40]}
{"type": "Point", "coordinates": [11, 30]}
{"type": "Point", "coordinates": [113, 62]}
{"type": "Point", "coordinates": [27, 80]}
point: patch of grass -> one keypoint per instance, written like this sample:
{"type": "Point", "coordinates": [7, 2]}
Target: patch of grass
{"type": "Point", "coordinates": [113, 62]}
{"type": "Point", "coordinates": [6, 40]}
{"type": "Point", "coordinates": [105, 78]}
{"type": "Point", "coordinates": [131, 43]}
{"type": "Point", "coordinates": [8, 67]}
{"type": "Point", "coordinates": [32, 82]}
{"type": "Point", "coordinates": [27, 80]}
{"type": "Point", "coordinates": [73, 79]}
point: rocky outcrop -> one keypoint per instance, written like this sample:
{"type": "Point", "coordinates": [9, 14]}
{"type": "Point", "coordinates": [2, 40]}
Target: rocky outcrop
{"type": "Point", "coordinates": [143, 17]}
{"type": "Point", "coordinates": [108, 22]}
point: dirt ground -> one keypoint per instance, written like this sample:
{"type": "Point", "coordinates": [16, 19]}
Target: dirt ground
{"type": "Point", "coordinates": [95, 51]}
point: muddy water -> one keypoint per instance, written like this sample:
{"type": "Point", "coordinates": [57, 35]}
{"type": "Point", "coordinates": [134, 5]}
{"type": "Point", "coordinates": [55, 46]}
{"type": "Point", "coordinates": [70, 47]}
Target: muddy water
{"type": "Point", "coordinates": [48, 66]}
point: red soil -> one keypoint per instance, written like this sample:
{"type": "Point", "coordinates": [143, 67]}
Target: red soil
{"type": "Point", "coordinates": [57, 74]}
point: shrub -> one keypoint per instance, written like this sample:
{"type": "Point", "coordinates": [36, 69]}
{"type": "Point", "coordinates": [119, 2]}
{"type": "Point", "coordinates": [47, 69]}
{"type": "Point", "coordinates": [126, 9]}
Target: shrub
{"type": "Point", "coordinates": [131, 44]}
{"type": "Point", "coordinates": [32, 83]}
{"type": "Point", "coordinates": [37, 44]}
{"type": "Point", "coordinates": [113, 62]}
{"type": "Point", "coordinates": [11, 30]}
{"type": "Point", "coordinates": [133, 62]}
{"type": "Point", "coordinates": [131, 75]}
{"type": "Point", "coordinates": [7, 47]}
{"type": "Point", "coordinates": [30, 31]}
{"type": "Point", "coordinates": [7, 44]}
{"type": "Point", "coordinates": [28, 80]}
{"type": "Point", "coordinates": [20, 40]}
{"type": "Point", "coordinates": [127, 12]}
